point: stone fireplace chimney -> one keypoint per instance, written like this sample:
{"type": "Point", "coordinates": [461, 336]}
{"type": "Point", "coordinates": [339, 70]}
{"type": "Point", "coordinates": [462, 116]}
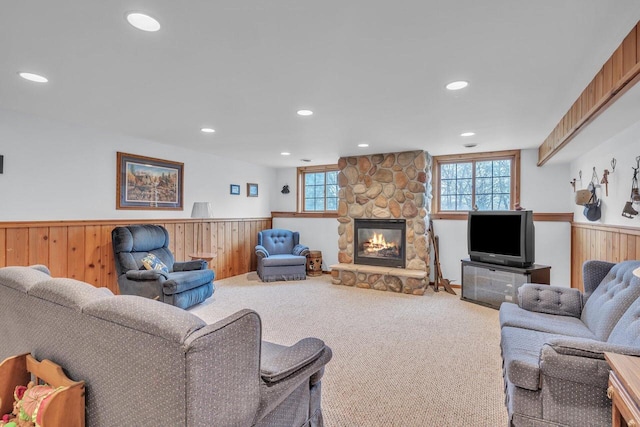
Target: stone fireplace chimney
{"type": "Point", "coordinates": [385, 186]}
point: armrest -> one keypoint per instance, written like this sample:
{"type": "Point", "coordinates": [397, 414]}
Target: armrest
{"type": "Point", "coordinates": [579, 360]}
{"type": "Point", "coordinates": [196, 264]}
{"type": "Point", "coordinates": [261, 251]}
{"type": "Point", "coordinates": [300, 250]}
{"type": "Point", "coordinates": [223, 353]}
{"type": "Point", "coordinates": [279, 362]}
{"type": "Point", "coordinates": [550, 299]}
{"type": "Point", "coordinates": [146, 275]}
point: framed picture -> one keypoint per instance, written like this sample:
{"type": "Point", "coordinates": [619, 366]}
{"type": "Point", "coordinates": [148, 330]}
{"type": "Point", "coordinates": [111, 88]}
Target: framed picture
{"type": "Point", "coordinates": [235, 190]}
{"type": "Point", "coordinates": [148, 183]}
{"type": "Point", "coordinates": [252, 190]}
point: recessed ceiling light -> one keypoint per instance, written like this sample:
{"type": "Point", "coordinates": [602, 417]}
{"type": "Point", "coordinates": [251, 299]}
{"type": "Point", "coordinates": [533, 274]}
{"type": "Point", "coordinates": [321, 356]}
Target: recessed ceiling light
{"type": "Point", "coordinates": [305, 112]}
{"type": "Point", "coordinates": [457, 85]}
{"type": "Point", "coordinates": [285, 153]}
{"type": "Point", "coordinates": [33, 77]}
{"type": "Point", "coordinates": [470, 145]}
{"type": "Point", "coordinates": [143, 22]}
{"type": "Point", "coordinates": [467, 134]}
{"type": "Point", "coordinates": [363, 145]}
{"type": "Point", "coordinates": [208, 130]}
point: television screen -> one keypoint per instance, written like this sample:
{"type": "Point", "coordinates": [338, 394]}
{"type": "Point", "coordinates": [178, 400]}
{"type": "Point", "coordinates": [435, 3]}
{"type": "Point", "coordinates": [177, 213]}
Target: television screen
{"type": "Point", "coordinates": [501, 237]}
{"type": "Point", "coordinates": [495, 234]}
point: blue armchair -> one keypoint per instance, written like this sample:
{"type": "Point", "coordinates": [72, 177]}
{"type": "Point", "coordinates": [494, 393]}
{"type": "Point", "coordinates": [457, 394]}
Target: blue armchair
{"type": "Point", "coordinates": [183, 284]}
{"type": "Point", "coordinates": [281, 256]}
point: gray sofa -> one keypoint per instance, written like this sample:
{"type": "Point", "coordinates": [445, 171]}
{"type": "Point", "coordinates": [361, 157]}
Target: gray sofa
{"type": "Point", "coordinates": [281, 256]}
{"type": "Point", "coordinates": [151, 364]}
{"type": "Point", "coordinates": [553, 345]}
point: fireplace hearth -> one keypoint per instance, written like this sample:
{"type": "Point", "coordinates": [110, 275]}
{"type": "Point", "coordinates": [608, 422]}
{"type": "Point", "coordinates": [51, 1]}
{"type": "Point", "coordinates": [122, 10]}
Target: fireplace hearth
{"type": "Point", "coordinates": [380, 242]}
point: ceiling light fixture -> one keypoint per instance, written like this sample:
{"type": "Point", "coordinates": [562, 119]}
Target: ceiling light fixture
{"type": "Point", "coordinates": [467, 134]}
{"type": "Point", "coordinates": [33, 77]}
{"type": "Point", "coordinates": [457, 85]}
{"type": "Point", "coordinates": [143, 22]}
{"type": "Point", "coordinates": [363, 145]}
{"type": "Point", "coordinates": [207, 130]}
{"type": "Point", "coordinates": [305, 112]}
{"type": "Point", "coordinates": [285, 153]}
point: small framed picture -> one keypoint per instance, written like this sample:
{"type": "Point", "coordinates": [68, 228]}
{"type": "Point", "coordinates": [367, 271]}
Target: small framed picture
{"type": "Point", "coordinates": [234, 189]}
{"type": "Point", "coordinates": [252, 190]}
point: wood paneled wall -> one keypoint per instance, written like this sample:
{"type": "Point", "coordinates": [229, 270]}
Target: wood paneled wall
{"type": "Point", "coordinates": [601, 242]}
{"type": "Point", "coordinates": [616, 76]}
{"type": "Point", "coordinates": [82, 249]}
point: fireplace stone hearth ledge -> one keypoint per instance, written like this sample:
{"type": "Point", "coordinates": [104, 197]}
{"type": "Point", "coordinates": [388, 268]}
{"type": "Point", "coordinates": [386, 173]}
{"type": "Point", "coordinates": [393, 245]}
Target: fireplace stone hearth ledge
{"type": "Point", "coordinates": [385, 186]}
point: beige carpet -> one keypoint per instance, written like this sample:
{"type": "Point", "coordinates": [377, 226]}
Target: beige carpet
{"type": "Point", "coordinates": [398, 360]}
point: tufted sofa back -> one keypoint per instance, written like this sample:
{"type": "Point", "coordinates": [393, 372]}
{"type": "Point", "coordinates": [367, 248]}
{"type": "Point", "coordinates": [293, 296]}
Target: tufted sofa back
{"type": "Point", "coordinates": [134, 242]}
{"type": "Point", "coordinates": [277, 241]}
{"type": "Point", "coordinates": [611, 299]}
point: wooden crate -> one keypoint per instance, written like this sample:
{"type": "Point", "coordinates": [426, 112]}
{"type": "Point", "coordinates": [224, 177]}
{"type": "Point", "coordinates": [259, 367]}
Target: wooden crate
{"type": "Point", "coordinates": [66, 406]}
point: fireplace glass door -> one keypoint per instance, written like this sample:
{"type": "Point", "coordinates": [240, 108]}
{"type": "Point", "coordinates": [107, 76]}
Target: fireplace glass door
{"type": "Point", "coordinates": [380, 242]}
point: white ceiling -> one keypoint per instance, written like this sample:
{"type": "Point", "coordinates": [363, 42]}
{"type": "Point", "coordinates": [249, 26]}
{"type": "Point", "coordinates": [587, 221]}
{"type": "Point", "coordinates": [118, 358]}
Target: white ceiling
{"type": "Point", "coordinates": [372, 71]}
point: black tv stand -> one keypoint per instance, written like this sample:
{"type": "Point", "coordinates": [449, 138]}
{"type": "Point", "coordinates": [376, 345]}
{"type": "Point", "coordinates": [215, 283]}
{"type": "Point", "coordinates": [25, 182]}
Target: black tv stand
{"type": "Point", "coordinates": [492, 284]}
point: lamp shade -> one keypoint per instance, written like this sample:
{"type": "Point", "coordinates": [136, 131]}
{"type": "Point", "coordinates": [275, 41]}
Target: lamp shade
{"type": "Point", "coordinates": [636, 272]}
{"type": "Point", "coordinates": [202, 210]}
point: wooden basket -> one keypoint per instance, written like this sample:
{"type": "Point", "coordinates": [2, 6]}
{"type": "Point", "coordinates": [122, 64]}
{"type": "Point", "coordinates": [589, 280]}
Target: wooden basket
{"type": "Point", "coordinates": [66, 406]}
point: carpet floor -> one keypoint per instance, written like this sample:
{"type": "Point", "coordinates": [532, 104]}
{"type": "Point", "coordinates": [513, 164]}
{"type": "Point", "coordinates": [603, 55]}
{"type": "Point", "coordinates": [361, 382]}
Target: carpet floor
{"type": "Point", "coordinates": [398, 360]}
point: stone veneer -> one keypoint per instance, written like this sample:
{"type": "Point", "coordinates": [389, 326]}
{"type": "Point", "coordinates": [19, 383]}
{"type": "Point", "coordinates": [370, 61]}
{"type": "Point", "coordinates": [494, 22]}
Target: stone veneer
{"type": "Point", "coordinates": [379, 186]}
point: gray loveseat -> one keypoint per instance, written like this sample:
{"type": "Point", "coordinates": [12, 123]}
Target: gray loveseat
{"type": "Point", "coordinates": [146, 363]}
{"type": "Point", "coordinates": [553, 345]}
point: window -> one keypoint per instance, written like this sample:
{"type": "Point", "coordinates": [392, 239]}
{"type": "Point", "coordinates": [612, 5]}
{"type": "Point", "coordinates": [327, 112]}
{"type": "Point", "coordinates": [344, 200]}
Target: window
{"type": "Point", "coordinates": [489, 181]}
{"type": "Point", "coordinates": [318, 188]}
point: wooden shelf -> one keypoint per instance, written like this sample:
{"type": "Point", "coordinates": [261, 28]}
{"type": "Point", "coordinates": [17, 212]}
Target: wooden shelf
{"type": "Point", "coordinates": [66, 407]}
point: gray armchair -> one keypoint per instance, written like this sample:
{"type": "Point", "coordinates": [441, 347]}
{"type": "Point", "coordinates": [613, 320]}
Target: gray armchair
{"type": "Point", "coordinates": [553, 345]}
{"type": "Point", "coordinates": [183, 285]}
{"type": "Point", "coordinates": [281, 256]}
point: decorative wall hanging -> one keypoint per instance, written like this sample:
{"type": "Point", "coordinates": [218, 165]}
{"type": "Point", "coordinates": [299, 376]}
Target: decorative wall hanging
{"type": "Point", "coordinates": [145, 183]}
{"type": "Point", "coordinates": [234, 189]}
{"type": "Point", "coordinates": [285, 189]}
{"type": "Point", "coordinates": [252, 190]}
{"type": "Point", "coordinates": [628, 211]}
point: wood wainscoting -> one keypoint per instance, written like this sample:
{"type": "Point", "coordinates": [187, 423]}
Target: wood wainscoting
{"type": "Point", "coordinates": [603, 242]}
{"type": "Point", "coordinates": [82, 249]}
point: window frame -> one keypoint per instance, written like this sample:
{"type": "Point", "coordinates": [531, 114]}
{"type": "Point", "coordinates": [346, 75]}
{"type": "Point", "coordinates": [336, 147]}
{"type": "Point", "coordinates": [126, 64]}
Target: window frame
{"type": "Point", "coordinates": [301, 171]}
{"type": "Point", "coordinates": [513, 155]}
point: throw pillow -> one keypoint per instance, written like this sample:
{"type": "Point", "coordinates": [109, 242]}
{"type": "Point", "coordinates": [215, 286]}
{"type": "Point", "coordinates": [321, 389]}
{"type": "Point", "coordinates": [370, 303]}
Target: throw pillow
{"type": "Point", "coordinates": [152, 262]}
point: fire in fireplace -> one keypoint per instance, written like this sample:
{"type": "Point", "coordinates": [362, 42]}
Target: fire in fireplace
{"type": "Point", "coordinates": [380, 242]}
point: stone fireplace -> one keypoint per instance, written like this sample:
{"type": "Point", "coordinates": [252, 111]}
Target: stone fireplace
{"type": "Point", "coordinates": [392, 191]}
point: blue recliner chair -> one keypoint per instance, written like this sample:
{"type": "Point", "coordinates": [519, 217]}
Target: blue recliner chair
{"type": "Point", "coordinates": [183, 284]}
{"type": "Point", "coordinates": [281, 256]}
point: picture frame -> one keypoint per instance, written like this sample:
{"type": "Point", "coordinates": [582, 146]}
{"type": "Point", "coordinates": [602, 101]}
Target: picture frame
{"type": "Point", "coordinates": [252, 190]}
{"type": "Point", "coordinates": [234, 189]}
{"type": "Point", "coordinates": [147, 183]}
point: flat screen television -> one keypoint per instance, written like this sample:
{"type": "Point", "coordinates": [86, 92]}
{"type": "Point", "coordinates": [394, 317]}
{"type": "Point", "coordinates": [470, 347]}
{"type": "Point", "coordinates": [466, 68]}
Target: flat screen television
{"type": "Point", "coordinates": [501, 237]}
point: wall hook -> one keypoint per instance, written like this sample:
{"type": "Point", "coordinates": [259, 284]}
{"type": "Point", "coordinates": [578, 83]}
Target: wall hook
{"type": "Point", "coordinates": [573, 184]}
{"type": "Point", "coordinates": [580, 176]}
{"type": "Point", "coordinates": [613, 164]}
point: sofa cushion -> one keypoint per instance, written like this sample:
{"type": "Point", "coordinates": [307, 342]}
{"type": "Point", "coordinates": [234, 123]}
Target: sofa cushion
{"type": "Point", "coordinates": [278, 260]}
{"type": "Point", "coordinates": [277, 241]}
{"type": "Point", "coordinates": [611, 299]}
{"type": "Point", "coordinates": [68, 292]}
{"type": "Point", "coordinates": [21, 278]}
{"type": "Point", "coordinates": [521, 355]}
{"type": "Point", "coordinates": [627, 330]}
{"type": "Point", "coordinates": [145, 315]}
{"type": "Point", "coordinates": [514, 316]}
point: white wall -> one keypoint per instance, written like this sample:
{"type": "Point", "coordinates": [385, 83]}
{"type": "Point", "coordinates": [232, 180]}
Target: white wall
{"type": "Point", "coordinates": [542, 189]}
{"type": "Point", "coordinates": [56, 171]}
{"type": "Point", "coordinates": [624, 147]}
